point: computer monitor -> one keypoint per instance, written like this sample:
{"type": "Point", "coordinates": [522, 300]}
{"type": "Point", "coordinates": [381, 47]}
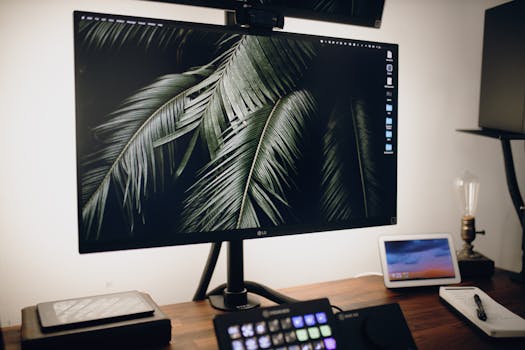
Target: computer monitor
{"type": "Point", "coordinates": [358, 12]}
{"type": "Point", "coordinates": [190, 133]}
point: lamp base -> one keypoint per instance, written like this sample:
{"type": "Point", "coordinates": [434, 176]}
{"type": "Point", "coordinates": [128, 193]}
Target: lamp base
{"type": "Point", "coordinates": [518, 277]}
{"type": "Point", "coordinates": [480, 267]}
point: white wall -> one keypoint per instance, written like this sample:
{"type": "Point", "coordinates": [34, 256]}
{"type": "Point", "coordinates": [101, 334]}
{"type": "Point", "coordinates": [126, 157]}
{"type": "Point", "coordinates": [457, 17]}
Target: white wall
{"type": "Point", "coordinates": [440, 59]}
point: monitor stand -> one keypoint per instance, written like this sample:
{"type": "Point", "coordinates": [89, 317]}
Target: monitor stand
{"type": "Point", "coordinates": [235, 294]}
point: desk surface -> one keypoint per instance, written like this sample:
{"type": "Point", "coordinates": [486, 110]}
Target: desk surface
{"type": "Point", "coordinates": [432, 324]}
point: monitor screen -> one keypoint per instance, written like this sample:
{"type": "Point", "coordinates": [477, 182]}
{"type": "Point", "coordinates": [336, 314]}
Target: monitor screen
{"type": "Point", "coordinates": [191, 133]}
{"type": "Point", "coordinates": [359, 12]}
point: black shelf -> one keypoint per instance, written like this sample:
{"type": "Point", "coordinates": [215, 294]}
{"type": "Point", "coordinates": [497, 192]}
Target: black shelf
{"type": "Point", "coordinates": [495, 134]}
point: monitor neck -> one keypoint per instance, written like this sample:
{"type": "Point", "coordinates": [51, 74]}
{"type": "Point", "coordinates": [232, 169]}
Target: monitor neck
{"type": "Point", "coordinates": [235, 296]}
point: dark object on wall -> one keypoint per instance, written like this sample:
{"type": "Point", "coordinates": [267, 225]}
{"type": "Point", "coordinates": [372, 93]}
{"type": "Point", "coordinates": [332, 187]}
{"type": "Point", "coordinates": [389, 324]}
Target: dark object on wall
{"type": "Point", "coordinates": [359, 12]}
{"type": "Point", "coordinates": [502, 100]}
{"type": "Point", "coordinates": [143, 332]}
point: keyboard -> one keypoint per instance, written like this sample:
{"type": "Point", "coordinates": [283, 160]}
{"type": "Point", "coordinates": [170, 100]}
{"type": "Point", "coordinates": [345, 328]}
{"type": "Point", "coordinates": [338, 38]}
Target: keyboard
{"type": "Point", "coordinates": [308, 325]}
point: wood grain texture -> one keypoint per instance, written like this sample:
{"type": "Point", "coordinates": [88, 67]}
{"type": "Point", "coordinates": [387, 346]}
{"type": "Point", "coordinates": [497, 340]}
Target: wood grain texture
{"type": "Point", "coordinates": [433, 325]}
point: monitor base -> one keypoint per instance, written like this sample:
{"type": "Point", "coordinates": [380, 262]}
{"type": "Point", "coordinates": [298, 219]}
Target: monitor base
{"type": "Point", "coordinates": [244, 302]}
{"type": "Point", "coordinates": [518, 277]}
{"type": "Point", "coordinates": [234, 295]}
{"type": "Point", "coordinates": [221, 299]}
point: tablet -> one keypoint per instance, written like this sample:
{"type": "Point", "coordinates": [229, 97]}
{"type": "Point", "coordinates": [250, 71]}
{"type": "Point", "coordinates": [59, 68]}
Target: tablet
{"type": "Point", "coordinates": [418, 260]}
{"type": "Point", "coordinates": [98, 309]}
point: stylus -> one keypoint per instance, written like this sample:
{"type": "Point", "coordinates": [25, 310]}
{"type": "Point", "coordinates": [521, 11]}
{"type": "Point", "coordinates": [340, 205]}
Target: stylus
{"type": "Point", "coordinates": [481, 311]}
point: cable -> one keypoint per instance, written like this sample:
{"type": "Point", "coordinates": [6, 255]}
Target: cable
{"type": "Point", "coordinates": [213, 255]}
{"type": "Point", "coordinates": [364, 274]}
{"type": "Point", "coordinates": [258, 289]}
{"type": "Point", "coordinates": [337, 308]}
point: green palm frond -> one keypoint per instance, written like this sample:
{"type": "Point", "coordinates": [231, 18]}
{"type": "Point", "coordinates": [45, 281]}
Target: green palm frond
{"type": "Point", "coordinates": [115, 33]}
{"type": "Point", "coordinates": [139, 141]}
{"type": "Point", "coordinates": [349, 173]}
{"type": "Point", "coordinates": [253, 72]}
{"type": "Point", "coordinates": [249, 180]}
{"type": "Point", "coordinates": [367, 154]}
{"type": "Point", "coordinates": [128, 159]}
{"type": "Point", "coordinates": [329, 6]}
{"type": "Point", "coordinates": [335, 194]}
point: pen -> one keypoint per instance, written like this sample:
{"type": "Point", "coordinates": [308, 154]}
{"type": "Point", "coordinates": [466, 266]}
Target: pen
{"type": "Point", "coordinates": [481, 311]}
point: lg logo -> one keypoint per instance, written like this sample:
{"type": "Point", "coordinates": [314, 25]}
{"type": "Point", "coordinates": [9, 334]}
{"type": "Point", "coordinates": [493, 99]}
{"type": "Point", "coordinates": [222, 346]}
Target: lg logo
{"type": "Point", "coordinates": [261, 233]}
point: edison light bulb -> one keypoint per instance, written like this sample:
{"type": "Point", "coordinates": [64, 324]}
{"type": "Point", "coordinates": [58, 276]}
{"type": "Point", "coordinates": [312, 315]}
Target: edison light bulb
{"type": "Point", "coordinates": [467, 189]}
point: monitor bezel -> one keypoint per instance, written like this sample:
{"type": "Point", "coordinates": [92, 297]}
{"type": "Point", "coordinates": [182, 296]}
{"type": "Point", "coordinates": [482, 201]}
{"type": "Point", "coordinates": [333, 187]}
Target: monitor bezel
{"type": "Point", "coordinates": [236, 234]}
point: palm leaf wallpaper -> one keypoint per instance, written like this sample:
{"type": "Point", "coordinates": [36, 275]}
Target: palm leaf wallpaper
{"type": "Point", "coordinates": [186, 129]}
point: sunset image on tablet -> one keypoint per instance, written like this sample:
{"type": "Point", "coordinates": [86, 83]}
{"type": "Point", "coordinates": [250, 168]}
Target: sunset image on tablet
{"type": "Point", "coordinates": [419, 259]}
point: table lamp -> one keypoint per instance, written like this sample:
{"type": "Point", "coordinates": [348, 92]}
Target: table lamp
{"type": "Point", "coordinates": [471, 263]}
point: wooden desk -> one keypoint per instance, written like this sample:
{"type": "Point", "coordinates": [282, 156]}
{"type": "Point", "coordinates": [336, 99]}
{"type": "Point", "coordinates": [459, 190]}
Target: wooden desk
{"type": "Point", "coordinates": [432, 324]}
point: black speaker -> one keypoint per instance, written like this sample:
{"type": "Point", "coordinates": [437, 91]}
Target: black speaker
{"type": "Point", "coordinates": [375, 328]}
{"type": "Point", "coordinates": [502, 95]}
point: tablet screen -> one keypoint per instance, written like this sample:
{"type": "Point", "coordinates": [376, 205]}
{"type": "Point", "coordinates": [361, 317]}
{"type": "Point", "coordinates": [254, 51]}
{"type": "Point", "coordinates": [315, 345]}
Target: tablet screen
{"type": "Point", "coordinates": [418, 259]}
{"type": "Point", "coordinates": [428, 260]}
